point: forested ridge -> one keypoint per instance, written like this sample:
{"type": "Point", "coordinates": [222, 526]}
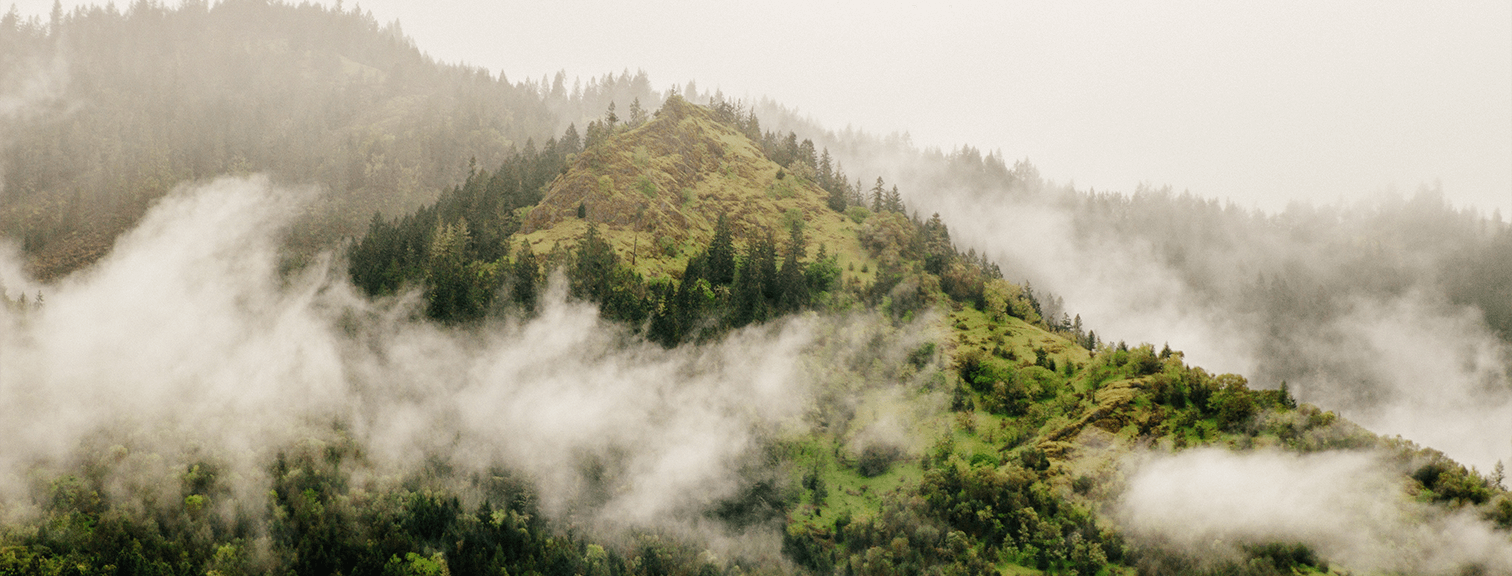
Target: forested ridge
{"type": "Point", "coordinates": [957, 422]}
{"type": "Point", "coordinates": [114, 107]}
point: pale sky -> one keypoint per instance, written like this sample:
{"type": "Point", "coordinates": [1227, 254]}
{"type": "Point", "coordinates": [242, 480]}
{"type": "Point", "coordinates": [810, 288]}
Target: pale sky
{"type": "Point", "coordinates": [1261, 103]}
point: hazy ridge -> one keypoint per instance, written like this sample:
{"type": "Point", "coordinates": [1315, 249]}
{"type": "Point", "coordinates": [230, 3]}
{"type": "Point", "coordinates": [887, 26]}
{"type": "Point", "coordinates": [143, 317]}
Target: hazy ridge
{"type": "Point", "coordinates": [550, 353]}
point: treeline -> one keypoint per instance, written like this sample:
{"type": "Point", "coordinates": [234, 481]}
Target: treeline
{"type": "Point", "coordinates": [316, 521]}
{"type": "Point", "coordinates": [458, 251]}
{"type": "Point", "coordinates": [455, 247]}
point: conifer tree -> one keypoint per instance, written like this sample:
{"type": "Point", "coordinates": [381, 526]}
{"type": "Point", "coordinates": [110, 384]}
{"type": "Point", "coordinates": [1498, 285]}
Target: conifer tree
{"type": "Point", "coordinates": [571, 143]}
{"type": "Point", "coordinates": [878, 191]}
{"type": "Point", "coordinates": [721, 256]}
{"type": "Point", "coordinates": [526, 271]}
{"type": "Point", "coordinates": [791, 286]}
{"type": "Point", "coordinates": [637, 114]}
{"type": "Point", "coordinates": [826, 171]}
{"type": "Point", "coordinates": [894, 200]}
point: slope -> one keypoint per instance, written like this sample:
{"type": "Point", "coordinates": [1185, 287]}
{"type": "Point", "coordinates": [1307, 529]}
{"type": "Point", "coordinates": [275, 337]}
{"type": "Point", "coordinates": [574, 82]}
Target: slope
{"type": "Point", "coordinates": [112, 109]}
{"type": "Point", "coordinates": [657, 190]}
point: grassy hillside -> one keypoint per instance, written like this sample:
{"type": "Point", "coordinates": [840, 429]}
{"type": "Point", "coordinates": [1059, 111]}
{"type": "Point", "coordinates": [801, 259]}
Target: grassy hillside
{"type": "Point", "coordinates": [950, 427]}
{"type": "Point", "coordinates": [656, 191]}
{"type": "Point", "coordinates": [992, 441]}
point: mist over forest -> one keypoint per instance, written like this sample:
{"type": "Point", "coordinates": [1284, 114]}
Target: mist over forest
{"type": "Point", "coordinates": [1397, 311]}
{"type": "Point", "coordinates": [282, 294]}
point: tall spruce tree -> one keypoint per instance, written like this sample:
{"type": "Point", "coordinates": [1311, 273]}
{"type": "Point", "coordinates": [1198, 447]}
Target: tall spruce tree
{"type": "Point", "coordinates": [721, 256]}
{"type": "Point", "coordinates": [526, 272]}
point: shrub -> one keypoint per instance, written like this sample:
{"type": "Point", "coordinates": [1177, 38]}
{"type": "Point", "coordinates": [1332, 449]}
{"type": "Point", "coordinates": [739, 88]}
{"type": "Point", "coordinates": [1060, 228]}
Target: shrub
{"type": "Point", "coordinates": [877, 459]}
{"type": "Point", "coordinates": [857, 214]}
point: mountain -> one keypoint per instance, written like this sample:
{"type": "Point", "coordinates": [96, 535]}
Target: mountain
{"type": "Point", "coordinates": [671, 343]}
{"type": "Point", "coordinates": [1041, 414]}
{"type": "Point", "coordinates": [113, 109]}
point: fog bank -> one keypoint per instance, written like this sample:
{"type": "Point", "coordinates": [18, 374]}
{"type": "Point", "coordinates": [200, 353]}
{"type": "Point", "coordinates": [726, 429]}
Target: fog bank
{"type": "Point", "coordinates": [187, 341]}
{"type": "Point", "coordinates": [1351, 508]}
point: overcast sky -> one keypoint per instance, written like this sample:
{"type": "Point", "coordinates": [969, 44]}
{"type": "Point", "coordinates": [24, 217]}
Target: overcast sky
{"type": "Point", "coordinates": [1258, 102]}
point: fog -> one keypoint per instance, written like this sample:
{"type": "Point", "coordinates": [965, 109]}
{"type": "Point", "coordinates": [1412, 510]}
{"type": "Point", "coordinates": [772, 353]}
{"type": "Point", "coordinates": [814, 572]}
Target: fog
{"type": "Point", "coordinates": [1263, 104]}
{"type": "Point", "coordinates": [1359, 307]}
{"type": "Point", "coordinates": [186, 341]}
{"type": "Point", "coordinates": [1351, 508]}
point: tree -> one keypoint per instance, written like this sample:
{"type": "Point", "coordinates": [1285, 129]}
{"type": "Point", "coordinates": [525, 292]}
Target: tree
{"type": "Point", "coordinates": [755, 282]}
{"type": "Point", "coordinates": [877, 196]}
{"type": "Point", "coordinates": [593, 267]}
{"type": "Point", "coordinates": [721, 255]}
{"type": "Point", "coordinates": [459, 288]}
{"type": "Point", "coordinates": [826, 170]}
{"type": "Point", "coordinates": [526, 271]}
{"type": "Point", "coordinates": [792, 286]}
{"type": "Point", "coordinates": [637, 114]}
{"type": "Point", "coordinates": [894, 200]}
{"type": "Point", "coordinates": [610, 118]}
{"type": "Point", "coordinates": [571, 143]}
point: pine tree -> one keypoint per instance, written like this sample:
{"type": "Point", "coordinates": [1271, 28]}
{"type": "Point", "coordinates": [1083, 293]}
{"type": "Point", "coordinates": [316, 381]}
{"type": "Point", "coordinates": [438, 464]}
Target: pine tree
{"type": "Point", "coordinates": [1285, 396]}
{"type": "Point", "coordinates": [637, 115]}
{"type": "Point", "coordinates": [571, 143]}
{"type": "Point", "coordinates": [791, 286]}
{"type": "Point", "coordinates": [878, 191]}
{"type": "Point", "coordinates": [610, 118]}
{"type": "Point", "coordinates": [526, 271]}
{"type": "Point", "coordinates": [894, 200]}
{"type": "Point", "coordinates": [826, 171]}
{"type": "Point", "coordinates": [592, 273]}
{"type": "Point", "coordinates": [721, 255]}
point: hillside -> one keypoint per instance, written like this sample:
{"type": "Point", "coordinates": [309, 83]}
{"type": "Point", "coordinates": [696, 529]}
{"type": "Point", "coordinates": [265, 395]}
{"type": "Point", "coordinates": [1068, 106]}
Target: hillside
{"type": "Point", "coordinates": [1005, 413]}
{"type": "Point", "coordinates": [657, 190]}
{"type": "Point", "coordinates": [668, 343]}
{"type": "Point", "coordinates": [108, 110]}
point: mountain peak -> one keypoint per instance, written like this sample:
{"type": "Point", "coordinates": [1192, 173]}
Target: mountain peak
{"type": "Point", "coordinates": [662, 185]}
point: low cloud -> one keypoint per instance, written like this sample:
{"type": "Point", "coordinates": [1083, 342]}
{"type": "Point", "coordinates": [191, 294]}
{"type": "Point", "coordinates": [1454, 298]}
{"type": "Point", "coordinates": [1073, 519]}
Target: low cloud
{"type": "Point", "coordinates": [27, 88]}
{"type": "Point", "coordinates": [1351, 508]}
{"type": "Point", "coordinates": [1403, 361]}
{"type": "Point", "coordinates": [188, 339]}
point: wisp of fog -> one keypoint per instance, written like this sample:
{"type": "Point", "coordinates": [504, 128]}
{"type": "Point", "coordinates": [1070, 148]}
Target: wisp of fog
{"type": "Point", "coordinates": [1392, 353]}
{"type": "Point", "coordinates": [187, 339]}
{"type": "Point", "coordinates": [1350, 507]}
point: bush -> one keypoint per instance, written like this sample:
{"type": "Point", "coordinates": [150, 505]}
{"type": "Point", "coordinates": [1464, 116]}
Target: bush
{"type": "Point", "coordinates": [857, 214]}
{"type": "Point", "coordinates": [877, 459]}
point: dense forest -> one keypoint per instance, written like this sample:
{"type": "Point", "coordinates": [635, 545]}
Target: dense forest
{"type": "Point", "coordinates": [527, 328]}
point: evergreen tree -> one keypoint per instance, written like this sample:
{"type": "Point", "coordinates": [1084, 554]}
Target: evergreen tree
{"type": "Point", "coordinates": [878, 191]}
{"type": "Point", "coordinates": [755, 283]}
{"type": "Point", "coordinates": [593, 268]}
{"type": "Point", "coordinates": [721, 255]}
{"type": "Point", "coordinates": [836, 200]}
{"type": "Point", "coordinates": [526, 273]}
{"type": "Point", "coordinates": [792, 288]}
{"type": "Point", "coordinates": [571, 143]}
{"type": "Point", "coordinates": [637, 114]}
{"type": "Point", "coordinates": [894, 200]}
{"type": "Point", "coordinates": [826, 171]}
{"type": "Point", "coordinates": [610, 118]}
